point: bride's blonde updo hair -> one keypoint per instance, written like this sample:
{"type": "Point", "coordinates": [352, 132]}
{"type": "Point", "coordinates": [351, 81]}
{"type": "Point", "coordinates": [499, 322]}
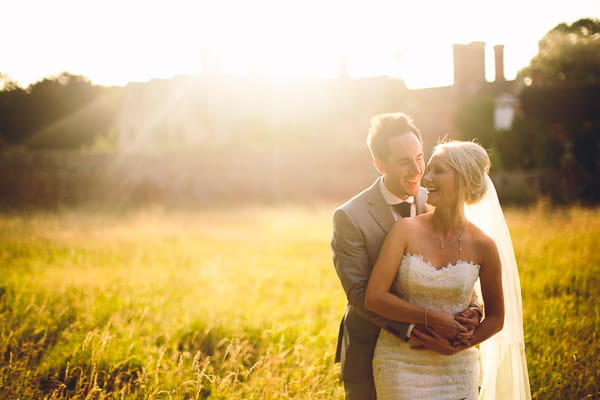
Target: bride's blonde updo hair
{"type": "Point", "coordinates": [471, 163]}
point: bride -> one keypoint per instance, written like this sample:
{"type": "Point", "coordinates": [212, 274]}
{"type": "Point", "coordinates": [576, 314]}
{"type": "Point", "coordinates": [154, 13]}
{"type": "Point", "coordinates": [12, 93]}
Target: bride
{"type": "Point", "coordinates": [428, 268]}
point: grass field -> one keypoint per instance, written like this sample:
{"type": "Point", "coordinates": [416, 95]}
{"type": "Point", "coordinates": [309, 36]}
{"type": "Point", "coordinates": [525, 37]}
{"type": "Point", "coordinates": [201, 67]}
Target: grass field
{"type": "Point", "coordinates": [243, 304]}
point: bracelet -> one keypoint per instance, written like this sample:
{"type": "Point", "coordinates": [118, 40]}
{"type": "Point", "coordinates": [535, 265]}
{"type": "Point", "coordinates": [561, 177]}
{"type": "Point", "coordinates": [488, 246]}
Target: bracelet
{"type": "Point", "coordinates": [426, 318]}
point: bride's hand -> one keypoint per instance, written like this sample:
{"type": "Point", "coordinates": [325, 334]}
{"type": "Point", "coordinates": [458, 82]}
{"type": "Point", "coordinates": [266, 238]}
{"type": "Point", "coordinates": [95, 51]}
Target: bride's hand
{"type": "Point", "coordinates": [445, 324]}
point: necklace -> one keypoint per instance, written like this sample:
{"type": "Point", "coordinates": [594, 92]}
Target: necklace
{"type": "Point", "coordinates": [459, 241]}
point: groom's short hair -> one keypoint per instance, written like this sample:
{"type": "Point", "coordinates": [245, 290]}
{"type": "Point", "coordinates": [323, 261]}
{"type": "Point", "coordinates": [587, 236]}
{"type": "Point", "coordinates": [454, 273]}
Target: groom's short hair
{"type": "Point", "coordinates": [384, 127]}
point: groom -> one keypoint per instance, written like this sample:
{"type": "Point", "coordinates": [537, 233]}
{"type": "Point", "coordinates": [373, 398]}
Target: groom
{"type": "Point", "coordinates": [359, 228]}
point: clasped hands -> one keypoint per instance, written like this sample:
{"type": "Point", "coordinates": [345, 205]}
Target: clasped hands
{"type": "Point", "coordinates": [446, 334]}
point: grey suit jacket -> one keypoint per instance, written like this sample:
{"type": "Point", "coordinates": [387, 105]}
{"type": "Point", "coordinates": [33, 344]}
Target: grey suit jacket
{"type": "Point", "coordinates": [359, 228]}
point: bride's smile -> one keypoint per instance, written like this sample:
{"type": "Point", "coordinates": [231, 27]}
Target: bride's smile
{"type": "Point", "coordinates": [440, 182]}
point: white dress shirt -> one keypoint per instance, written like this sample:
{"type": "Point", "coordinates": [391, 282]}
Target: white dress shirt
{"type": "Point", "coordinates": [391, 199]}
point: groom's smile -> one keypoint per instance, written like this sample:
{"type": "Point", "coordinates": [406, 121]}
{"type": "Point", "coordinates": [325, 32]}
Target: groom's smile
{"type": "Point", "coordinates": [404, 165]}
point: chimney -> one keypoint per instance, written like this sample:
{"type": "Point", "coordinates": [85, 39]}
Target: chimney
{"type": "Point", "coordinates": [469, 65]}
{"type": "Point", "coordinates": [499, 62]}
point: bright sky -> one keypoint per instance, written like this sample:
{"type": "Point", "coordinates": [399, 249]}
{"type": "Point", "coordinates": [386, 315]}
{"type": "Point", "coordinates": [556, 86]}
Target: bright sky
{"type": "Point", "coordinates": [113, 42]}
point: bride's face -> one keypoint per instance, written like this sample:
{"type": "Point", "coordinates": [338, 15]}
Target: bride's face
{"type": "Point", "coordinates": [440, 182]}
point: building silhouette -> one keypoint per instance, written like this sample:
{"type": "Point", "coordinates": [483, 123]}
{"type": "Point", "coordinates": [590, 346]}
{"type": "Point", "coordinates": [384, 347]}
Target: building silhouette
{"type": "Point", "coordinates": [216, 108]}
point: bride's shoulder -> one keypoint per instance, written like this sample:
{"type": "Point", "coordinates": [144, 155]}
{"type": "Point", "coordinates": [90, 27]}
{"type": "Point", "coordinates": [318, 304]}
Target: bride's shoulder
{"type": "Point", "coordinates": [485, 243]}
{"type": "Point", "coordinates": [407, 227]}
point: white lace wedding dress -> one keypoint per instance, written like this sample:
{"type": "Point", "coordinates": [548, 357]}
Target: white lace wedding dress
{"type": "Point", "coordinates": [403, 373]}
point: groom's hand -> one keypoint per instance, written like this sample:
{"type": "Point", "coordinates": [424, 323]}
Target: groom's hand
{"type": "Point", "coordinates": [470, 319]}
{"type": "Point", "coordinates": [417, 333]}
{"type": "Point", "coordinates": [429, 339]}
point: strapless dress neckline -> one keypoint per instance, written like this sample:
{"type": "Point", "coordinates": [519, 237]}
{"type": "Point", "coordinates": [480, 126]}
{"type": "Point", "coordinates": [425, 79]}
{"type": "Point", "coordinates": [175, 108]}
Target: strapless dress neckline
{"type": "Point", "coordinates": [428, 263]}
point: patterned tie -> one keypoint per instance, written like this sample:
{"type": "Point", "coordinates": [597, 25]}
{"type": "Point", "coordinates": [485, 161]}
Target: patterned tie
{"type": "Point", "coordinates": [403, 208]}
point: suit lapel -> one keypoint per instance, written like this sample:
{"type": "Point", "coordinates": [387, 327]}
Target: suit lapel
{"type": "Point", "coordinates": [378, 208]}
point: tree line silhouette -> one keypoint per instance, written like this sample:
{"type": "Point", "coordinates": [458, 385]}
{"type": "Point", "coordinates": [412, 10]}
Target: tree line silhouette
{"type": "Point", "coordinates": [62, 112]}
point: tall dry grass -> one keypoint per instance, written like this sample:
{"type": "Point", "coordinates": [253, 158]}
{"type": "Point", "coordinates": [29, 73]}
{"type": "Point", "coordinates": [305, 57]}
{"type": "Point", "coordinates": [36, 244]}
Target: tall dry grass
{"type": "Point", "coordinates": [242, 304]}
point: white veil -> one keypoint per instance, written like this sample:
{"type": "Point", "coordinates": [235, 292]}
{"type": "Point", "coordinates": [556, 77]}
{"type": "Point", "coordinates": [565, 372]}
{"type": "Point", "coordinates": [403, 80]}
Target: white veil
{"type": "Point", "coordinates": [503, 363]}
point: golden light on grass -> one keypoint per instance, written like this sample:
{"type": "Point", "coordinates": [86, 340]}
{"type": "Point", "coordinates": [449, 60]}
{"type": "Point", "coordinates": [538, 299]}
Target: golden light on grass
{"type": "Point", "coordinates": [241, 304]}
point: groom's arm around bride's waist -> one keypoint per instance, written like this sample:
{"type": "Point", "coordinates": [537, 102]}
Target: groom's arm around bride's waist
{"type": "Point", "coordinates": [353, 266]}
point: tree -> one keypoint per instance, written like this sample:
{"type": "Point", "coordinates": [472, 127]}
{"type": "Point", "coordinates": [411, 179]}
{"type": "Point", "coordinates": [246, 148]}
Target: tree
{"type": "Point", "coordinates": [61, 112]}
{"type": "Point", "coordinates": [564, 98]}
{"type": "Point", "coordinates": [567, 53]}
{"type": "Point", "coordinates": [13, 114]}
{"type": "Point", "coordinates": [68, 112]}
{"type": "Point", "coordinates": [474, 119]}
{"type": "Point", "coordinates": [7, 83]}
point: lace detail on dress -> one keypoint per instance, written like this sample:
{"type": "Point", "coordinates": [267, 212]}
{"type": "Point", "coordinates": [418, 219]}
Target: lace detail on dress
{"type": "Point", "coordinates": [420, 257]}
{"type": "Point", "coordinates": [404, 373]}
{"type": "Point", "coordinates": [446, 289]}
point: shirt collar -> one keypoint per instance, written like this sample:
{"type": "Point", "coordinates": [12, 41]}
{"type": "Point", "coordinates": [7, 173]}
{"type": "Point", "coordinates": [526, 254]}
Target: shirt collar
{"type": "Point", "coordinates": [390, 198]}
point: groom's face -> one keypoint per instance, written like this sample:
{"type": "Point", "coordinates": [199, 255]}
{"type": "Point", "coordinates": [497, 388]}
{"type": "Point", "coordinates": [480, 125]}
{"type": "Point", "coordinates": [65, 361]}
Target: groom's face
{"type": "Point", "coordinates": [404, 165]}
